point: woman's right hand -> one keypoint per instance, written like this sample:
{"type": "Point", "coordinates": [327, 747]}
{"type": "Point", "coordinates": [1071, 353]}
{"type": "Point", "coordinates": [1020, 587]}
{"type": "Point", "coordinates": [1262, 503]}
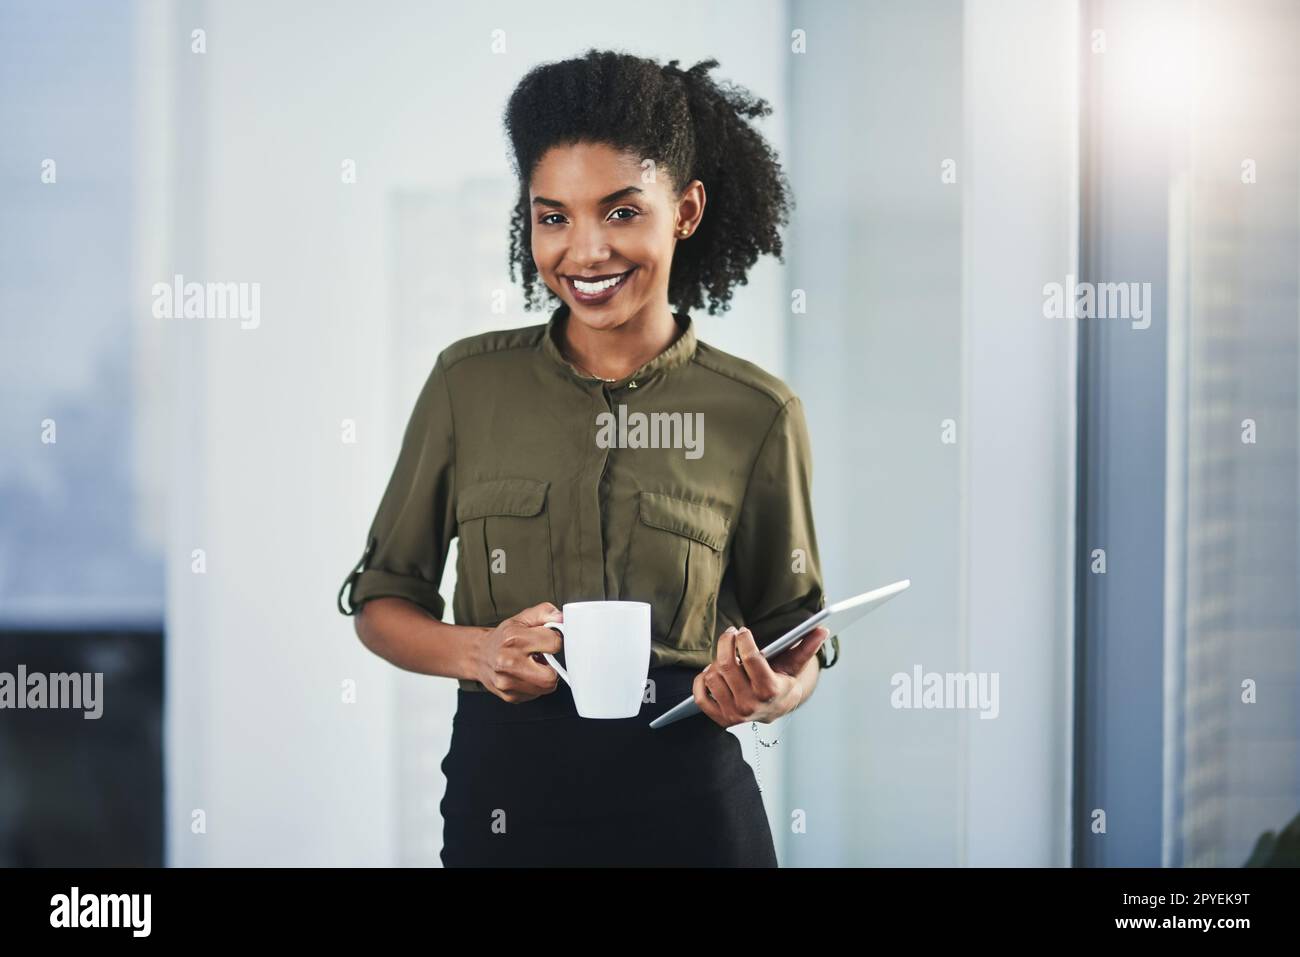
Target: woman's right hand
{"type": "Point", "coordinates": [504, 661]}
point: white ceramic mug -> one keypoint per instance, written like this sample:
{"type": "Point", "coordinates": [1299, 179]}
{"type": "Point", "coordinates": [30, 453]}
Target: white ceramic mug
{"type": "Point", "coordinates": [607, 648]}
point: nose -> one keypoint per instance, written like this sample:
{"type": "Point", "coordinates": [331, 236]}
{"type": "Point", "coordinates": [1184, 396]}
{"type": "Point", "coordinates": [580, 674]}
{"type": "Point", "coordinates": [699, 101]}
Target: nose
{"type": "Point", "coordinates": [588, 245]}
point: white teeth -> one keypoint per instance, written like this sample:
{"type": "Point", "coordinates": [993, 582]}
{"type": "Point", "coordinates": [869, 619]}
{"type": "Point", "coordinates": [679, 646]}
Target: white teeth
{"type": "Point", "coordinates": [591, 288]}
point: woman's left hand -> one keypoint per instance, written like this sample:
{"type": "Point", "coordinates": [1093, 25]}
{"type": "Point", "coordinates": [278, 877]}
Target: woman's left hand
{"type": "Point", "coordinates": [741, 685]}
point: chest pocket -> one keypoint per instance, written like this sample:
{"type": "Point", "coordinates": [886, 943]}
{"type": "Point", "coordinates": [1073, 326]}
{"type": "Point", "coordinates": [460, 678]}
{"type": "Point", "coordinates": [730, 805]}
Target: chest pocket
{"type": "Point", "coordinates": [674, 562]}
{"type": "Point", "coordinates": [504, 563]}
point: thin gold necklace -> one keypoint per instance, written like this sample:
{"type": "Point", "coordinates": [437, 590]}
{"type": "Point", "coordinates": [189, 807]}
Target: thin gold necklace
{"type": "Point", "coordinates": [591, 374]}
{"type": "Point", "coordinates": [573, 362]}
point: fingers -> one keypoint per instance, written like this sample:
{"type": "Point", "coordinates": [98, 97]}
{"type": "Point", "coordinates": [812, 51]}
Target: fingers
{"type": "Point", "coordinates": [539, 615]}
{"type": "Point", "coordinates": [514, 688]}
{"type": "Point", "coordinates": [731, 673]}
{"type": "Point", "coordinates": [532, 641]}
{"type": "Point", "coordinates": [761, 678]}
{"type": "Point", "coordinates": [740, 684]}
{"type": "Point", "coordinates": [722, 693]}
{"type": "Point", "coordinates": [726, 646]}
{"type": "Point", "coordinates": [792, 661]}
{"type": "Point", "coordinates": [700, 691]}
{"type": "Point", "coordinates": [529, 643]}
{"type": "Point", "coordinates": [741, 667]}
{"type": "Point", "coordinates": [724, 661]}
{"type": "Point", "coordinates": [519, 672]}
{"type": "Point", "coordinates": [526, 680]}
{"type": "Point", "coordinates": [526, 647]}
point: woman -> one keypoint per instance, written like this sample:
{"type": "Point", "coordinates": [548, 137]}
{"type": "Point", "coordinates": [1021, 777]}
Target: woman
{"type": "Point", "coordinates": [640, 185]}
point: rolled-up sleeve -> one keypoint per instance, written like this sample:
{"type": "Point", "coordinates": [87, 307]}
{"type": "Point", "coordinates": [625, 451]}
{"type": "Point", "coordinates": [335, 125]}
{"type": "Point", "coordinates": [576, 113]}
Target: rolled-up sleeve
{"type": "Point", "coordinates": [409, 539]}
{"type": "Point", "coordinates": [776, 567]}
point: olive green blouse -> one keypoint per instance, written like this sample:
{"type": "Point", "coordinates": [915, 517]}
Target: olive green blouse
{"type": "Point", "coordinates": [685, 485]}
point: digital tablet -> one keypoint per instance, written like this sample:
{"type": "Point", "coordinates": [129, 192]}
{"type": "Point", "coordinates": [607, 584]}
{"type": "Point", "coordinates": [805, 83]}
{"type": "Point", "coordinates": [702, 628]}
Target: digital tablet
{"type": "Point", "coordinates": [836, 617]}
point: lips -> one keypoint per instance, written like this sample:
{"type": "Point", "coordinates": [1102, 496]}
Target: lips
{"type": "Point", "coordinates": [597, 290]}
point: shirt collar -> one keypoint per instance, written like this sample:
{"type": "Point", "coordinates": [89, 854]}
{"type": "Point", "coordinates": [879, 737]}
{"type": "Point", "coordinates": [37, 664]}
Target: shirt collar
{"type": "Point", "coordinates": [678, 354]}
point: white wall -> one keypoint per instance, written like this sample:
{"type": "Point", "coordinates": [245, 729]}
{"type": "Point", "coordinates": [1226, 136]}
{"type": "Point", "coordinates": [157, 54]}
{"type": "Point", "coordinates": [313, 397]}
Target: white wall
{"type": "Point", "coordinates": [925, 305]}
{"type": "Point", "coordinates": [877, 107]}
{"type": "Point", "coordinates": [1020, 228]}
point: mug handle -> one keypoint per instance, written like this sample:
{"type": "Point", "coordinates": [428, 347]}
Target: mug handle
{"type": "Point", "coordinates": [556, 626]}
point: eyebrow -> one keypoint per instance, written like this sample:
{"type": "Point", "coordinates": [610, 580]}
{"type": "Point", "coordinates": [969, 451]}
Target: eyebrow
{"type": "Point", "coordinates": [617, 194]}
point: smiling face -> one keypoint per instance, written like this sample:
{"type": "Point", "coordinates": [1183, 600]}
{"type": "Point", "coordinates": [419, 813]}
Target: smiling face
{"type": "Point", "coordinates": [602, 238]}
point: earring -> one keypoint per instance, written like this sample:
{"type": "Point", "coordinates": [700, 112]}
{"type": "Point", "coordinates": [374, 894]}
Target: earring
{"type": "Point", "coordinates": [684, 232]}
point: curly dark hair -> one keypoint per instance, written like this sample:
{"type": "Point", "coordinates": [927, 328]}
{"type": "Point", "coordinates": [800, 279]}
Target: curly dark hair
{"type": "Point", "coordinates": [691, 126]}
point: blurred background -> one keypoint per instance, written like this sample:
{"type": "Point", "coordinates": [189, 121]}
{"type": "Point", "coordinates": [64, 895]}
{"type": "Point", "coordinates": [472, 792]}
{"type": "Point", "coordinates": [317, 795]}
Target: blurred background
{"type": "Point", "coordinates": [1100, 511]}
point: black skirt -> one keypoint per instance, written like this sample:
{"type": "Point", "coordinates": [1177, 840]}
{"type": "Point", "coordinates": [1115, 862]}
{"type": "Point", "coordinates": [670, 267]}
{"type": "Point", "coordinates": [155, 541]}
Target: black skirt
{"type": "Point", "coordinates": [534, 785]}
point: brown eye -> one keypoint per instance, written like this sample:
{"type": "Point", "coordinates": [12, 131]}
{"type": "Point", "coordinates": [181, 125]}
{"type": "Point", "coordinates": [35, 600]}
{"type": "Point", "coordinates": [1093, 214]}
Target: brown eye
{"type": "Point", "coordinates": [626, 209]}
